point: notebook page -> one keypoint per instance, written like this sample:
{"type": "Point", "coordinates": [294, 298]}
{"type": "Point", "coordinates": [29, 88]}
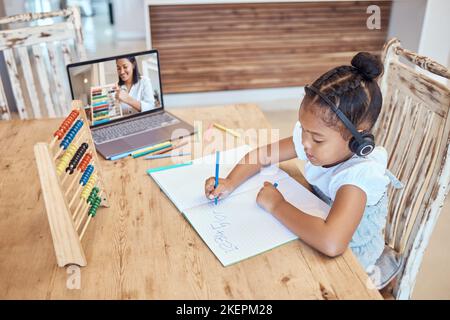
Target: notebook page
{"type": "Point", "coordinates": [237, 228]}
{"type": "Point", "coordinates": [185, 186]}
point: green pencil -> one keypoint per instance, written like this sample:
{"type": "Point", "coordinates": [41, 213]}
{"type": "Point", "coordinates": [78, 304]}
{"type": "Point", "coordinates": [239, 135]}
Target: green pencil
{"type": "Point", "coordinates": [143, 153]}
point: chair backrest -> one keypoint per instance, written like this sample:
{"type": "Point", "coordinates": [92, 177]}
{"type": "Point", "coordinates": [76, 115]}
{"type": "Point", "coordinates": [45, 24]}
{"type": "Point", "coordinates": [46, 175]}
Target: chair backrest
{"type": "Point", "coordinates": [5, 114]}
{"type": "Point", "coordinates": [35, 59]}
{"type": "Point", "coordinates": [414, 127]}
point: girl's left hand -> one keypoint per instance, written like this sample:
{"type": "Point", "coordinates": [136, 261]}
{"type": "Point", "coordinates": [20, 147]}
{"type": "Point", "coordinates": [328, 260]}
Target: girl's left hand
{"type": "Point", "coordinates": [269, 197]}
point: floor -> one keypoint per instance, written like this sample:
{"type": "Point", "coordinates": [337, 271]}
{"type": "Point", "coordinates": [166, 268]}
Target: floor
{"type": "Point", "coordinates": [280, 107]}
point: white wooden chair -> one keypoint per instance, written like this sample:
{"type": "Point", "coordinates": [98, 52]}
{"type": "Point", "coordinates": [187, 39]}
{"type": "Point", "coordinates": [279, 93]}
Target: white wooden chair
{"type": "Point", "coordinates": [35, 58]}
{"type": "Point", "coordinates": [414, 127]}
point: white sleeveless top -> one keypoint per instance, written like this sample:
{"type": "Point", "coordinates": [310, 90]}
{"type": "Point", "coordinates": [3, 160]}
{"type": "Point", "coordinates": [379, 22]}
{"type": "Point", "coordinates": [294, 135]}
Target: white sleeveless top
{"type": "Point", "coordinates": [141, 91]}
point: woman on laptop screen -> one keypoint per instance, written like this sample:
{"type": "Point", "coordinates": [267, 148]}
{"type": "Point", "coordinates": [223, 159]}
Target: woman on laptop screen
{"type": "Point", "coordinates": [135, 93]}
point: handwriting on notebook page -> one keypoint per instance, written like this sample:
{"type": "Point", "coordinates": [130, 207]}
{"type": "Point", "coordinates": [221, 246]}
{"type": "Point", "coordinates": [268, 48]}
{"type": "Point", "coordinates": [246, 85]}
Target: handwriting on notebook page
{"type": "Point", "coordinates": [219, 227]}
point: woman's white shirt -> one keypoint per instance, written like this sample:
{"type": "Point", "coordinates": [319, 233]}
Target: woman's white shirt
{"type": "Point", "coordinates": [141, 91]}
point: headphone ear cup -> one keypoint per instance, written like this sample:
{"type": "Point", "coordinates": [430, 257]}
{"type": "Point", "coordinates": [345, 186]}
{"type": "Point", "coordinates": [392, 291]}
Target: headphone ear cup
{"type": "Point", "coordinates": [365, 148]}
{"type": "Point", "coordinates": [353, 145]}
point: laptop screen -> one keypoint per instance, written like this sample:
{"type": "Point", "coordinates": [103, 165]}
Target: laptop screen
{"type": "Point", "coordinates": [117, 87]}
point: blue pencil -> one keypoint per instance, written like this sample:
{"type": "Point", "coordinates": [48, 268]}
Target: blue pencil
{"type": "Point", "coordinates": [169, 167]}
{"type": "Point", "coordinates": [119, 156]}
{"type": "Point", "coordinates": [275, 184]}
{"type": "Point", "coordinates": [217, 174]}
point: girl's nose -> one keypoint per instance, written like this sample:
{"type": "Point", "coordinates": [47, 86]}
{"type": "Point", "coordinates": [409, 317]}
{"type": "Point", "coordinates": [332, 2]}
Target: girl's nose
{"type": "Point", "coordinates": [306, 144]}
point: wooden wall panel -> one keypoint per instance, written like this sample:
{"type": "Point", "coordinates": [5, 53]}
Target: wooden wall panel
{"type": "Point", "coordinates": [242, 46]}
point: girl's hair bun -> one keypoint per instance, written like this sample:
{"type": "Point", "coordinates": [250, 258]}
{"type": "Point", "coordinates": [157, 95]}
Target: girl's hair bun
{"type": "Point", "coordinates": [368, 65]}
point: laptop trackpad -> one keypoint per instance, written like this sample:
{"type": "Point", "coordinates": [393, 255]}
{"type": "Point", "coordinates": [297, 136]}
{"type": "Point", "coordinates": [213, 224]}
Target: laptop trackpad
{"type": "Point", "coordinates": [147, 138]}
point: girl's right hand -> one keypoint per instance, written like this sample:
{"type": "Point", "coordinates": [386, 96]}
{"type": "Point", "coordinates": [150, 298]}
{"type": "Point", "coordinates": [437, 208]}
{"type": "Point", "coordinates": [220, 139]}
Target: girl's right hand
{"type": "Point", "coordinates": [224, 188]}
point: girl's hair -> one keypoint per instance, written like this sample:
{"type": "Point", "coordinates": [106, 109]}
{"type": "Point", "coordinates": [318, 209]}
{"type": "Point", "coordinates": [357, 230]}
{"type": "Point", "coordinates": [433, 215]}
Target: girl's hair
{"type": "Point", "coordinates": [353, 89]}
{"type": "Point", "coordinates": [136, 74]}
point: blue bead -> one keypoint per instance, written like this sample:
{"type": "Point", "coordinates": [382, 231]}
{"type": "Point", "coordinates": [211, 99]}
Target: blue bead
{"type": "Point", "coordinates": [87, 173]}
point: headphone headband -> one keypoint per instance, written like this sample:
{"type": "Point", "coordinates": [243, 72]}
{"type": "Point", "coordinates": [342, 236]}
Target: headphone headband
{"type": "Point", "coordinates": [339, 113]}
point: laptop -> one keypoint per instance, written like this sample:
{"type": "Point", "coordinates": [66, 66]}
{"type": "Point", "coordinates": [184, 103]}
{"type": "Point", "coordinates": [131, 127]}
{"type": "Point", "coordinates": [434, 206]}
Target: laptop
{"type": "Point", "coordinates": [123, 100]}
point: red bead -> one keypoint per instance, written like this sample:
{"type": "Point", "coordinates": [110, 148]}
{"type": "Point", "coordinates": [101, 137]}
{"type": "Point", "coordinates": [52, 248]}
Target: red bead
{"type": "Point", "coordinates": [66, 124]}
{"type": "Point", "coordinates": [84, 162]}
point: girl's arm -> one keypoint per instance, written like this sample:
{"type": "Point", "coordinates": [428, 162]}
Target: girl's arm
{"type": "Point", "coordinates": [260, 157]}
{"type": "Point", "coordinates": [331, 236]}
{"type": "Point", "coordinates": [251, 164]}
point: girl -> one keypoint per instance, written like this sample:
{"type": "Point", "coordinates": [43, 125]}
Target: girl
{"type": "Point", "coordinates": [354, 185]}
{"type": "Point", "coordinates": [133, 91]}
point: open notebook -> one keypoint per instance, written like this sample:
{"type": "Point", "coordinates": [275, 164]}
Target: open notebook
{"type": "Point", "coordinates": [236, 228]}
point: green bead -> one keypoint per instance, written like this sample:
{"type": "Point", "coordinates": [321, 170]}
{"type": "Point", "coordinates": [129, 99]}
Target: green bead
{"type": "Point", "coordinates": [93, 211]}
{"type": "Point", "coordinates": [95, 203]}
{"type": "Point", "coordinates": [92, 195]}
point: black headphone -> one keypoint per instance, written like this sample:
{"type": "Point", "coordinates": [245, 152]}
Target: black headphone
{"type": "Point", "coordinates": [360, 144]}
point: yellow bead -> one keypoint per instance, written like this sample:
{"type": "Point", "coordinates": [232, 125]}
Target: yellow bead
{"type": "Point", "coordinates": [89, 186]}
{"type": "Point", "coordinates": [64, 162]}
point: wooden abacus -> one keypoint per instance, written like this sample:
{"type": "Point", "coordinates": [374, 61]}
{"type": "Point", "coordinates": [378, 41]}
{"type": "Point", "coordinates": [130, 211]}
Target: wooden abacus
{"type": "Point", "coordinates": [72, 185]}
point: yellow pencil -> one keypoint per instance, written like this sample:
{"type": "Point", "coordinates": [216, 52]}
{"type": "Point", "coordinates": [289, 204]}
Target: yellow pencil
{"type": "Point", "coordinates": [234, 133]}
{"type": "Point", "coordinates": [170, 148]}
{"type": "Point", "coordinates": [156, 146]}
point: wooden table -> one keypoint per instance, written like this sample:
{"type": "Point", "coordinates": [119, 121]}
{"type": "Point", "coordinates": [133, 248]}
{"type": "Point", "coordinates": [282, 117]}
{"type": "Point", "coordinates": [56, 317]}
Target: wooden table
{"type": "Point", "coordinates": [142, 247]}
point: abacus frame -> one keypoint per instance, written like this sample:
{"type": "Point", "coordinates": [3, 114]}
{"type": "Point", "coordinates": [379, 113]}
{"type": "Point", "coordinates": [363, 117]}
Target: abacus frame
{"type": "Point", "coordinates": [66, 240]}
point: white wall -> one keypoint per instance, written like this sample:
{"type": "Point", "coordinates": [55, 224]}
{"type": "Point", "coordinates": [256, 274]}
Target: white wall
{"type": "Point", "coordinates": [423, 26]}
{"type": "Point", "coordinates": [406, 22]}
{"type": "Point", "coordinates": [435, 37]}
{"type": "Point", "coordinates": [13, 7]}
{"type": "Point", "coordinates": [2, 9]}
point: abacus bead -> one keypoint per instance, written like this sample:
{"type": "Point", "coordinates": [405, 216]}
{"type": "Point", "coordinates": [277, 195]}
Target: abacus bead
{"type": "Point", "coordinates": [87, 158]}
{"type": "Point", "coordinates": [92, 196]}
{"type": "Point", "coordinates": [94, 191]}
{"type": "Point", "coordinates": [90, 199]}
{"type": "Point", "coordinates": [66, 141]}
{"type": "Point", "coordinates": [71, 134]}
{"type": "Point", "coordinates": [77, 157]}
{"type": "Point", "coordinates": [60, 167]}
{"type": "Point", "coordinates": [65, 159]}
{"type": "Point", "coordinates": [89, 186]}
{"type": "Point", "coordinates": [67, 122]}
{"type": "Point", "coordinates": [87, 173]}
{"type": "Point", "coordinates": [94, 207]}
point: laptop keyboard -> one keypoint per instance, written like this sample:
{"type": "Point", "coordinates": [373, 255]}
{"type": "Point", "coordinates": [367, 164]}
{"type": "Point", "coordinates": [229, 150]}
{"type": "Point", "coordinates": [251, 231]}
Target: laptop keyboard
{"type": "Point", "coordinates": [132, 127]}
